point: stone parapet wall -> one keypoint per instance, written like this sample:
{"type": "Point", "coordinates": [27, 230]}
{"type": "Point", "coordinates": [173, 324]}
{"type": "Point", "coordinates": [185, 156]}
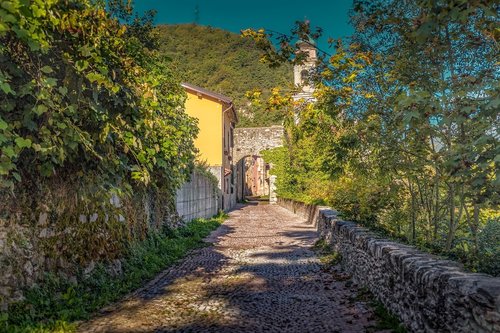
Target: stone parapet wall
{"type": "Point", "coordinates": [427, 293]}
{"type": "Point", "coordinates": [306, 211]}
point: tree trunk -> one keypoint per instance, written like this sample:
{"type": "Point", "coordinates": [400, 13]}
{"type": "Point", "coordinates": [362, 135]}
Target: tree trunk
{"type": "Point", "coordinates": [413, 213]}
{"type": "Point", "coordinates": [451, 224]}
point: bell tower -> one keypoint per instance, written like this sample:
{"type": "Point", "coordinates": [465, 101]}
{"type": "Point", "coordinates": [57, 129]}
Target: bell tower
{"type": "Point", "coordinates": [301, 72]}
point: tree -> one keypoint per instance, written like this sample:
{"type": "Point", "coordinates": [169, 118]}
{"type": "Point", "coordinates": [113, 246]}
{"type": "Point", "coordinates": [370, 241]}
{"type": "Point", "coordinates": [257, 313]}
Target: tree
{"type": "Point", "coordinates": [89, 112]}
{"type": "Point", "coordinates": [409, 108]}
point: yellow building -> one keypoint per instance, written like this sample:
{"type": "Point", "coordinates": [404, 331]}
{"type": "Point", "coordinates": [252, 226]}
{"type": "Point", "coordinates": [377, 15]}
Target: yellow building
{"type": "Point", "coordinates": [216, 120]}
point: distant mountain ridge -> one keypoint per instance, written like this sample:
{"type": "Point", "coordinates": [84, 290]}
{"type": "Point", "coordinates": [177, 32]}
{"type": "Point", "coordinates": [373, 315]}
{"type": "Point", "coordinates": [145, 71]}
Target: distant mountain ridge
{"type": "Point", "coordinates": [225, 63]}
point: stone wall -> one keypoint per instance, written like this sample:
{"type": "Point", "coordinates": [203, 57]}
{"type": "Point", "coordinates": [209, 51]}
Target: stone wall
{"type": "Point", "coordinates": [427, 293]}
{"type": "Point", "coordinates": [252, 140]}
{"type": "Point", "coordinates": [227, 197]}
{"type": "Point", "coordinates": [198, 198]}
{"type": "Point", "coordinates": [307, 212]}
{"type": "Point", "coordinates": [67, 238]}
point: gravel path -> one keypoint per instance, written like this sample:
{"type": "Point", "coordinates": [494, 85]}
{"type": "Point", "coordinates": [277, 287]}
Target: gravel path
{"type": "Point", "coordinates": [260, 275]}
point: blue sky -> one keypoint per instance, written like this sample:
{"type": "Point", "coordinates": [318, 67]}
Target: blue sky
{"type": "Point", "coordinates": [234, 15]}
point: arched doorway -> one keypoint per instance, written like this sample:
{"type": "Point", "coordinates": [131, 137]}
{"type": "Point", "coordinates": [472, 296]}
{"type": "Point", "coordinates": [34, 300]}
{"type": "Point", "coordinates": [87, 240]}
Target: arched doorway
{"type": "Point", "coordinates": [251, 171]}
{"type": "Point", "coordinates": [252, 177]}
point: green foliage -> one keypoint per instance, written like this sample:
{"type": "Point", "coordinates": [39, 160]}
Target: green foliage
{"type": "Point", "coordinates": [90, 115]}
{"type": "Point", "coordinates": [403, 136]}
{"type": "Point", "coordinates": [224, 62]}
{"type": "Point", "coordinates": [489, 247]}
{"type": "Point", "coordinates": [56, 302]}
{"type": "Point", "coordinates": [80, 93]}
{"type": "Point", "coordinates": [279, 160]}
{"type": "Point", "coordinates": [326, 254]}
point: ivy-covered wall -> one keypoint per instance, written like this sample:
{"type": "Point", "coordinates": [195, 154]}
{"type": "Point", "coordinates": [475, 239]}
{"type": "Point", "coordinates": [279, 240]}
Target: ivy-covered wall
{"type": "Point", "coordinates": [62, 237]}
{"type": "Point", "coordinates": [94, 140]}
{"type": "Point", "coordinates": [70, 241]}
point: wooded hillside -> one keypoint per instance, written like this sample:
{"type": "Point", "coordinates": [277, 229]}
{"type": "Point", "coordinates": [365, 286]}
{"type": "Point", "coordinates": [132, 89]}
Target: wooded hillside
{"type": "Point", "coordinates": [225, 63]}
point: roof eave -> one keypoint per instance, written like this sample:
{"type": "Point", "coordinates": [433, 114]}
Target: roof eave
{"type": "Point", "coordinates": [219, 97]}
{"type": "Point", "coordinates": [206, 92]}
{"type": "Point", "coordinates": [234, 112]}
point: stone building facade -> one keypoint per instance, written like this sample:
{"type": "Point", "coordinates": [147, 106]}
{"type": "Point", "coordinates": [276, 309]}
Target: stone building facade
{"type": "Point", "coordinates": [251, 171]}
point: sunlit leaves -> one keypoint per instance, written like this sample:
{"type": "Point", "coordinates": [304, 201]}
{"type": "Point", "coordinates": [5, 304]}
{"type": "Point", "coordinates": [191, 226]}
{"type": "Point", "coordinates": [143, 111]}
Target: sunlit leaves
{"type": "Point", "coordinates": [46, 69]}
{"type": "Point", "coordinates": [254, 97]}
{"type": "Point", "coordinates": [40, 109]}
{"type": "Point", "coordinates": [410, 109]}
{"type": "Point", "coordinates": [79, 92]}
{"type": "Point", "coordinates": [23, 143]}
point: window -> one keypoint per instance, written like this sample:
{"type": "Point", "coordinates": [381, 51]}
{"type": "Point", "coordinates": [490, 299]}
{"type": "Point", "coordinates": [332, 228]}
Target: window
{"type": "Point", "coordinates": [303, 75]}
{"type": "Point", "coordinates": [224, 133]}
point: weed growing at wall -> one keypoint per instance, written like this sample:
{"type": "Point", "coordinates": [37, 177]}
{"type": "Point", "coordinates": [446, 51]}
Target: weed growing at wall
{"type": "Point", "coordinates": [385, 319]}
{"type": "Point", "coordinates": [55, 303]}
{"type": "Point", "coordinates": [326, 254]}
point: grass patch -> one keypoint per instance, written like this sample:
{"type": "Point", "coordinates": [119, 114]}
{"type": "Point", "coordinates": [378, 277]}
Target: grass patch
{"type": "Point", "coordinates": [327, 256]}
{"type": "Point", "coordinates": [56, 303]}
{"type": "Point", "coordinates": [385, 319]}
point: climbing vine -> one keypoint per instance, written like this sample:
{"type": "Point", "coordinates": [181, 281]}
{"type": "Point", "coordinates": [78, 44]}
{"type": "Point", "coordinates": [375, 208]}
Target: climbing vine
{"type": "Point", "coordinates": [94, 140]}
{"type": "Point", "coordinates": [80, 94]}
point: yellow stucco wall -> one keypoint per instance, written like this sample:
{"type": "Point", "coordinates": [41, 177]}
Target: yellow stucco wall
{"type": "Point", "coordinates": [209, 115]}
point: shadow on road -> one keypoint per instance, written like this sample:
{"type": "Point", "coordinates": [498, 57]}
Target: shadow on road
{"type": "Point", "coordinates": [250, 280]}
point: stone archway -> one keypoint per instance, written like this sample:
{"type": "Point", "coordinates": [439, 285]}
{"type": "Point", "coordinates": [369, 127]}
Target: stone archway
{"type": "Point", "coordinates": [248, 144]}
{"type": "Point", "coordinates": [252, 177]}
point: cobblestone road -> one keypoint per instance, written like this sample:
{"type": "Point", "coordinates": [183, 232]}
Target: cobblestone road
{"type": "Point", "coordinates": [260, 275]}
